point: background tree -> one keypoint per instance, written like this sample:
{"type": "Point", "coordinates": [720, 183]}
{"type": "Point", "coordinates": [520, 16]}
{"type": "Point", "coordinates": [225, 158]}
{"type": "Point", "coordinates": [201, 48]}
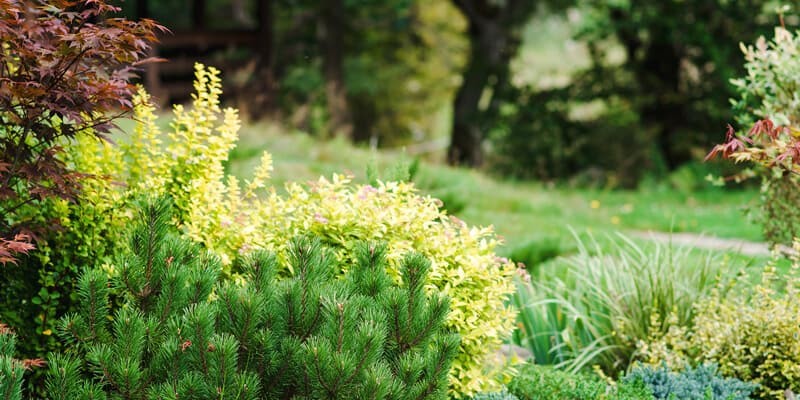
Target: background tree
{"type": "Point", "coordinates": [331, 32]}
{"type": "Point", "coordinates": [652, 97]}
{"type": "Point", "coordinates": [679, 57]}
{"type": "Point", "coordinates": [494, 38]}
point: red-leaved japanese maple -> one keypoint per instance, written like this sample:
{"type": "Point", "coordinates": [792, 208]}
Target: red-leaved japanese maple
{"type": "Point", "coordinates": [65, 68]}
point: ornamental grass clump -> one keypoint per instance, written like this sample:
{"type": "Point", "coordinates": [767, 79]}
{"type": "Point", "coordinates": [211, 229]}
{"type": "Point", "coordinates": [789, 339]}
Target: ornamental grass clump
{"type": "Point", "coordinates": [182, 333]}
{"type": "Point", "coordinates": [599, 305]}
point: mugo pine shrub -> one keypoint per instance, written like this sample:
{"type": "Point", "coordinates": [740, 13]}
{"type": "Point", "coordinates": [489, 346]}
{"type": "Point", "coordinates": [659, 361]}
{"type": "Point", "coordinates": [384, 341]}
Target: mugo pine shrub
{"type": "Point", "coordinates": [230, 219]}
{"type": "Point", "coordinates": [181, 333]}
{"type": "Point", "coordinates": [501, 395]}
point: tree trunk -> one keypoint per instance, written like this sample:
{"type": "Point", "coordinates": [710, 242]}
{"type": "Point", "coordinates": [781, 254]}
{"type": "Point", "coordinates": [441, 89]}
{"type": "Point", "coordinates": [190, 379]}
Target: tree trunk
{"type": "Point", "coordinates": [261, 95]}
{"type": "Point", "coordinates": [331, 33]}
{"type": "Point", "coordinates": [466, 137]}
{"type": "Point", "coordinates": [659, 75]}
{"type": "Point", "coordinates": [493, 43]}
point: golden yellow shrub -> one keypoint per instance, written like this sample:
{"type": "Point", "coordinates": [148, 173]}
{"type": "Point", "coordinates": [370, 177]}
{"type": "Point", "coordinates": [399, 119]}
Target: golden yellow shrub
{"type": "Point", "coordinates": [230, 218]}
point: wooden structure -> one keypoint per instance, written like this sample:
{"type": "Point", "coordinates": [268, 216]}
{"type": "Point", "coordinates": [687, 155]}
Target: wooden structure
{"type": "Point", "coordinates": [172, 80]}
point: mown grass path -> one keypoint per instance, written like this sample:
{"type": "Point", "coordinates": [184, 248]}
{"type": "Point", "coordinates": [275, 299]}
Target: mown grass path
{"type": "Point", "coordinates": [706, 242]}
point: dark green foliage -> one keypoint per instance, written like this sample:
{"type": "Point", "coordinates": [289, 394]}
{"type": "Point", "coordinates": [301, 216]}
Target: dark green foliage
{"type": "Point", "coordinates": [182, 333]}
{"type": "Point", "coordinates": [503, 395]}
{"type": "Point", "coordinates": [535, 252]}
{"type": "Point", "coordinates": [676, 71]}
{"type": "Point", "coordinates": [11, 370]}
{"type": "Point", "coordinates": [701, 383]}
{"type": "Point", "coordinates": [536, 382]}
{"type": "Point", "coordinates": [657, 91]}
{"type": "Point", "coordinates": [534, 136]}
{"type": "Point", "coordinates": [778, 212]}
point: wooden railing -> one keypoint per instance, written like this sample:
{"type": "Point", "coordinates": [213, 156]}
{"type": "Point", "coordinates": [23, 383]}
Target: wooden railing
{"type": "Point", "coordinates": [171, 80]}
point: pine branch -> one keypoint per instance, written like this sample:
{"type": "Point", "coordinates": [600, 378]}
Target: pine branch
{"type": "Point", "coordinates": [367, 348]}
{"type": "Point", "coordinates": [446, 352]}
{"type": "Point", "coordinates": [434, 320]}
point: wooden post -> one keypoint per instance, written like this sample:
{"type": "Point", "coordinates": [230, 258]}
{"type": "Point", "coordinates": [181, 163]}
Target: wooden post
{"type": "Point", "coordinates": [142, 9]}
{"type": "Point", "coordinates": [265, 30]}
{"type": "Point", "coordinates": [152, 78]}
{"type": "Point", "coordinates": [198, 14]}
{"type": "Point", "coordinates": [261, 94]}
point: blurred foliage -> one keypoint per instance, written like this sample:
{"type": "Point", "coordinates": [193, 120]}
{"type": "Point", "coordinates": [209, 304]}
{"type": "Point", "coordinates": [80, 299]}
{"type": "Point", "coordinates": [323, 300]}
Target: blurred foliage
{"type": "Point", "coordinates": [603, 92]}
{"type": "Point", "coordinates": [401, 60]}
{"type": "Point", "coordinates": [680, 57]}
{"type": "Point", "coordinates": [535, 137]}
{"type": "Point", "coordinates": [653, 97]}
{"type": "Point", "coordinates": [401, 63]}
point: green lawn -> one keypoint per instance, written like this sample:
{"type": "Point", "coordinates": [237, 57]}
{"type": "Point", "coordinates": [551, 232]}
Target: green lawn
{"type": "Point", "coordinates": [525, 214]}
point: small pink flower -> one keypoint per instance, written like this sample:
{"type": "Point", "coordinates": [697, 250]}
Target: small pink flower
{"type": "Point", "coordinates": [523, 272]}
{"type": "Point", "coordinates": [365, 191]}
{"type": "Point", "coordinates": [319, 218]}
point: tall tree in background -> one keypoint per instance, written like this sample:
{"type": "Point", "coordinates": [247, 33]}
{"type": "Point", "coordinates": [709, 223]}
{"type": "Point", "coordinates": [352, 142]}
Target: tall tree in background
{"type": "Point", "coordinates": [494, 38]}
{"type": "Point", "coordinates": [331, 31]}
{"type": "Point", "coordinates": [263, 79]}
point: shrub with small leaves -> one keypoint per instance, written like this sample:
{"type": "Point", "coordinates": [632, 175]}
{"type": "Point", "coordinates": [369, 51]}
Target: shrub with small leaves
{"type": "Point", "coordinates": [65, 67]}
{"type": "Point", "coordinates": [536, 382]}
{"type": "Point", "coordinates": [768, 109]}
{"type": "Point", "coordinates": [753, 334]}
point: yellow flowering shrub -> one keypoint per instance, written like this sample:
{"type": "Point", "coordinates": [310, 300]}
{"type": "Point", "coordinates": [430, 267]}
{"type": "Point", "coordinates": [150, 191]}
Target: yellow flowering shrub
{"type": "Point", "coordinates": [753, 334]}
{"type": "Point", "coordinates": [231, 218]}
